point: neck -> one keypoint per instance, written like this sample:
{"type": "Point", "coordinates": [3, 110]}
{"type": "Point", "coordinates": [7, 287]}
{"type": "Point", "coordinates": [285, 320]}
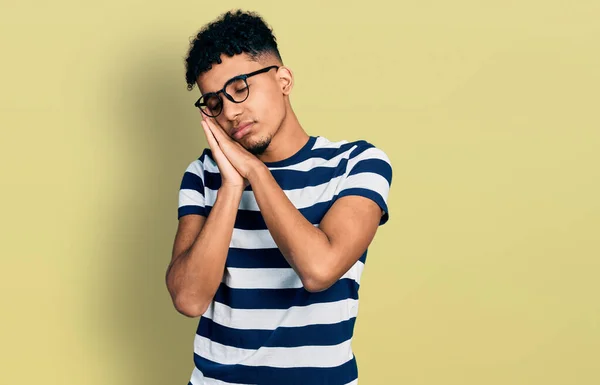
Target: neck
{"type": "Point", "coordinates": [288, 140]}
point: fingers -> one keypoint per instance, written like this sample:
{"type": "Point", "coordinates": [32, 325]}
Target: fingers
{"type": "Point", "coordinates": [212, 142]}
{"type": "Point", "coordinates": [206, 125]}
{"type": "Point", "coordinates": [218, 132]}
{"type": "Point", "coordinates": [225, 142]}
{"type": "Point", "coordinates": [207, 134]}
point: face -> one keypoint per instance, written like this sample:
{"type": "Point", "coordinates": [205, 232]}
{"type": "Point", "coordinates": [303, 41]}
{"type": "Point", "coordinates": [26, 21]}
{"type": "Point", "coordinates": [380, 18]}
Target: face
{"type": "Point", "coordinates": [255, 121]}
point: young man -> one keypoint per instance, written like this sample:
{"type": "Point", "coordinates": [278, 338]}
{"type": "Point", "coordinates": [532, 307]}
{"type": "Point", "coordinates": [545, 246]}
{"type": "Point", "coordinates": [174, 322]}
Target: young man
{"type": "Point", "coordinates": [274, 224]}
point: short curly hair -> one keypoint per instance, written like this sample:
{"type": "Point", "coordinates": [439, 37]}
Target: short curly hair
{"type": "Point", "coordinates": [234, 32]}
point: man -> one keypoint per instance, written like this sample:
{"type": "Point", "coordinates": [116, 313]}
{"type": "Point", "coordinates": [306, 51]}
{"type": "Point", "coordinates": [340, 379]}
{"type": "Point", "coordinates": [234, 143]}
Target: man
{"type": "Point", "coordinates": [274, 224]}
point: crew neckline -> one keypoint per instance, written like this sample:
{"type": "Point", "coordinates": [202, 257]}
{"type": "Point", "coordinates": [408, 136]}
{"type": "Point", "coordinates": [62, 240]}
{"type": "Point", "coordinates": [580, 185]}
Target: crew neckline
{"type": "Point", "coordinates": [298, 156]}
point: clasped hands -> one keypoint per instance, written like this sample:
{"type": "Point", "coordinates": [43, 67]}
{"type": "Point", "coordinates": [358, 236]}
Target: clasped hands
{"type": "Point", "coordinates": [235, 163]}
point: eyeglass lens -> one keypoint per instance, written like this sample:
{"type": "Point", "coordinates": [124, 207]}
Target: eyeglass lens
{"type": "Point", "coordinates": [236, 89]}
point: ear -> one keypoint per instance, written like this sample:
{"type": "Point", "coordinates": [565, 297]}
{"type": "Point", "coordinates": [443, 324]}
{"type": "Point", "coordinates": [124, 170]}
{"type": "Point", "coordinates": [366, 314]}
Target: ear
{"type": "Point", "coordinates": [286, 79]}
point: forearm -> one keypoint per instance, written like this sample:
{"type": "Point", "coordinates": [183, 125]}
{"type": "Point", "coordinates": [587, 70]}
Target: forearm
{"type": "Point", "coordinates": [195, 275]}
{"type": "Point", "coordinates": [306, 248]}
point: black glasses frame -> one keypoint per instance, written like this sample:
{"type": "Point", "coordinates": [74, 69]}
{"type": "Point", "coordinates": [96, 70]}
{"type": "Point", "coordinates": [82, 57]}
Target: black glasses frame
{"type": "Point", "coordinates": [199, 103]}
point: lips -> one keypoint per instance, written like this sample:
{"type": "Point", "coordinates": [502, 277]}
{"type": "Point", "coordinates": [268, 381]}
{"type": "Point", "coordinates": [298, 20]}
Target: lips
{"type": "Point", "coordinates": [243, 125]}
{"type": "Point", "coordinates": [242, 129]}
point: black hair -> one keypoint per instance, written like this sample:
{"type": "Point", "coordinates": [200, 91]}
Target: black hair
{"type": "Point", "coordinates": [233, 33]}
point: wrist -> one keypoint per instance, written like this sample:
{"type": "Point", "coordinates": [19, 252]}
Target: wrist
{"type": "Point", "coordinates": [231, 191]}
{"type": "Point", "coordinates": [257, 170]}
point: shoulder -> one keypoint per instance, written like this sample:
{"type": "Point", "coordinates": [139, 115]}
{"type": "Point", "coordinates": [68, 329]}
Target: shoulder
{"type": "Point", "coordinates": [203, 163]}
{"type": "Point", "coordinates": [354, 150]}
{"type": "Point", "coordinates": [367, 163]}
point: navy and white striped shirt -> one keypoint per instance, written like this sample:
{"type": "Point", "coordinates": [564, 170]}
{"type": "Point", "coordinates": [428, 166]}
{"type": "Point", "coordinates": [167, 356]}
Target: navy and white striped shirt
{"type": "Point", "coordinates": [262, 326]}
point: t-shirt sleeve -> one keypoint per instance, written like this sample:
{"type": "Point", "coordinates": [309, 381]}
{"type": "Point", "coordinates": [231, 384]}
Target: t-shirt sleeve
{"type": "Point", "coordinates": [368, 174]}
{"type": "Point", "coordinates": [191, 190]}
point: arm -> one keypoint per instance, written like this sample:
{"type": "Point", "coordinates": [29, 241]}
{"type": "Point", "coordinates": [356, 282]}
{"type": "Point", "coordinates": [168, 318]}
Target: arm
{"type": "Point", "coordinates": [320, 256]}
{"type": "Point", "coordinates": [202, 242]}
{"type": "Point", "coordinates": [199, 254]}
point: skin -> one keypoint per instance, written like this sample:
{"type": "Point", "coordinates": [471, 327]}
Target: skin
{"type": "Point", "coordinates": [320, 256]}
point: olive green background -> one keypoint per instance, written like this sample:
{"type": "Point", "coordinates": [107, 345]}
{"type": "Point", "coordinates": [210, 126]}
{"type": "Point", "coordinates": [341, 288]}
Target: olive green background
{"type": "Point", "coordinates": [486, 273]}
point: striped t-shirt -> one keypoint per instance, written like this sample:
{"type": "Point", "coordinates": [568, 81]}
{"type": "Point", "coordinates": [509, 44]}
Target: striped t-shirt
{"type": "Point", "coordinates": [262, 326]}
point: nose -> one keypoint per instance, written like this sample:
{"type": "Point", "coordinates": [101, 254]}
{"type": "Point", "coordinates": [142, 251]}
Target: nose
{"type": "Point", "coordinates": [231, 110]}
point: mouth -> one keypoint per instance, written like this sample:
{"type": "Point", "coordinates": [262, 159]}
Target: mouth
{"type": "Point", "coordinates": [242, 130]}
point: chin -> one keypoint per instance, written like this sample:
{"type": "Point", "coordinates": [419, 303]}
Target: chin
{"type": "Point", "coordinates": [256, 146]}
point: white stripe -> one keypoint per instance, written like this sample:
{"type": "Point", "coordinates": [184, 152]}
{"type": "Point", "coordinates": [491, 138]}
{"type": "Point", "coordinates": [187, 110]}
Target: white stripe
{"type": "Point", "coordinates": [369, 153]}
{"type": "Point", "coordinates": [283, 278]}
{"type": "Point", "coordinates": [252, 239]}
{"type": "Point", "coordinates": [370, 181]}
{"type": "Point", "coordinates": [305, 165]}
{"type": "Point", "coordinates": [199, 379]}
{"type": "Point", "coordinates": [296, 316]}
{"type": "Point", "coordinates": [188, 197]}
{"type": "Point", "coordinates": [322, 142]}
{"type": "Point", "coordinates": [313, 162]}
{"type": "Point", "coordinates": [196, 167]}
{"type": "Point", "coordinates": [300, 198]}
{"type": "Point", "coordinates": [307, 356]}
{"type": "Point", "coordinates": [355, 382]}
{"type": "Point", "coordinates": [210, 165]}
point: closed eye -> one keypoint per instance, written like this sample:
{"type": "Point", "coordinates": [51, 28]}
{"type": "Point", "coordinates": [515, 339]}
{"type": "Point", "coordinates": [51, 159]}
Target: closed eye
{"type": "Point", "coordinates": [241, 90]}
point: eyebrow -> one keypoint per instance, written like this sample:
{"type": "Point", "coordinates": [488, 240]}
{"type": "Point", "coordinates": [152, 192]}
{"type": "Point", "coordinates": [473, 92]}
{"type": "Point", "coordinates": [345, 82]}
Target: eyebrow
{"type": "Point", "coordinates": [214, 92]}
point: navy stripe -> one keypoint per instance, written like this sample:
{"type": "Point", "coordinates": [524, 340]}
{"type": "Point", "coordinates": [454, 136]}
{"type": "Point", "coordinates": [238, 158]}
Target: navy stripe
{"type": "Point", "coordinates": [361, 146]}
{"type": "Point", "coordinates": [185, 210]}
{"type": "Point", "coordinates": [259, 258]}
{"type": "Point", "coordinates": [298, 156]}
{"type": "Point", "coordinates": [192, 181]}
{"type": "Point", "coordinates": [363, 258]}
{"type": "Point", "coordinates": [303, 154]}
{"type": "Point", "coordinates": [329, 153]}
{"type": "Point", "coordinates": [376, 166]}
{"type": "Point", "coordinates": [212, 180]}
{"type": "Point", "coordinates": [289, 179]}
{"type": "Point", "coordinates": [295, 179]}
{"type": "Point", "coordinates": [206, 153]}
{"type": "Point", "coordinates": [253, 220]}
{"type": "Point", "coordinates": [284, 298]}
{"type": "Point", "coordinates": [265, 375]}
{"type": "Point", "coordinates": [323, 153]}
{"type": "Point", "coordinates": [287, 337]}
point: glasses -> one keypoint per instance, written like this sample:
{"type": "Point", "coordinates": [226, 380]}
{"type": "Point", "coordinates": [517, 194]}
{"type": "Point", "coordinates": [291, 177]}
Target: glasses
{"type": "Point", "coordinates": [235, 89]}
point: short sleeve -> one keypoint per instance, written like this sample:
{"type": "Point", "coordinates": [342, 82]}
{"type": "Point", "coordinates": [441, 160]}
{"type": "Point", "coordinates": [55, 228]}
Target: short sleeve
{"type": "Point", "coordinates": [368, 174]}
{"type": "Point", "coordinates": [191, 190]}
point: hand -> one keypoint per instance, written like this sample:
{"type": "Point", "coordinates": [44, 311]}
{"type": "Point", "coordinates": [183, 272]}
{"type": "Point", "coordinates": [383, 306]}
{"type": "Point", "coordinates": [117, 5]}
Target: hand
{"type": "Point", "coordinates": [242, 160]}
{"type": "Point", "coordinates": [230, 177]}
